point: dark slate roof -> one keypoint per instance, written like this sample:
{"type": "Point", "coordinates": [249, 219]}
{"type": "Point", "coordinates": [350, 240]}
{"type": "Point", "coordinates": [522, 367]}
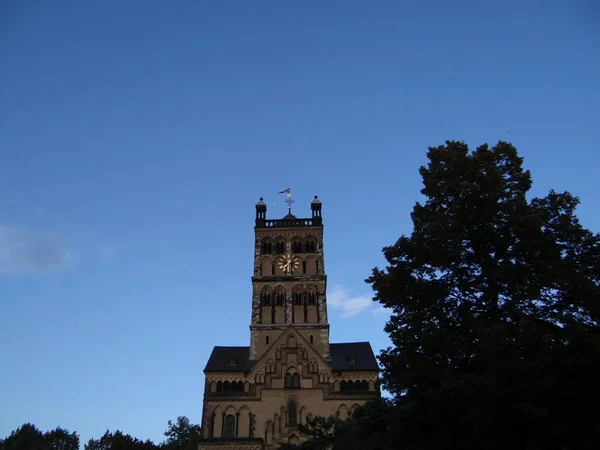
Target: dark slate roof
{"type": "Point", "coordinates": [364, 358]}
{"type": "Point", "coordinates": [220, 359]}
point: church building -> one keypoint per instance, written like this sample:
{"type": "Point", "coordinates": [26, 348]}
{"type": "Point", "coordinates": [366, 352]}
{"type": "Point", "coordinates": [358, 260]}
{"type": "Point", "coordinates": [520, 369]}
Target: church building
{"type": "Point", "coordinates": [256, 396]}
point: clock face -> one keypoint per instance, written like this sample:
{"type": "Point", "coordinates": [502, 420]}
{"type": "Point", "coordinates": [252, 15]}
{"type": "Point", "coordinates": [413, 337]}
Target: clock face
{"type": "Point", "coordinates": [288, 263]}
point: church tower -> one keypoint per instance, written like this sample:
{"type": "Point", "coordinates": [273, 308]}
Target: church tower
{"type": "Point", "coordinates": [256, 396]}
{"type": "Point", "coordinates": [289, 281]}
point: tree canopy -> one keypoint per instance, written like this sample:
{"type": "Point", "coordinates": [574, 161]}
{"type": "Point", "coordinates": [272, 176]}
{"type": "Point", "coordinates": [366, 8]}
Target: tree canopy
{"type": "Point", "coordinates": [28, 437]}
{"type": "Point", "coordinates": [495, 313]}
{"type": "Point", "coordinates": [180, 435]}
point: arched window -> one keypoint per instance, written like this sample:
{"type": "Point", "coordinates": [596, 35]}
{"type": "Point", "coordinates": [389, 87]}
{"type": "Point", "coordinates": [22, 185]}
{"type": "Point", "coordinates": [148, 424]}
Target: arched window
{"type": "Point", "coordinates": [266, 248]}
{"type": "Point", "coordinates": [280, 247]}
{"type": "Point", "coordinates": [292, 414]}
{"type": "Point", "coordinates": [220, 386]}
{"type": "Point", "coordinates": [297, 246]}
{"type": "Point", "coordinates": [279, 298]}
{"type": "Point", "coordinates": [343, 387]}
{"type": "Point", "coordinates": [229, 426]}
{"type": "Point", "coordinates": [312, 298]}
{"type": "Point", "coordinates": [297, 298]}
{"type": "Point", "coordinates": [351, 359]}
{"type": "Point", "coordinates": [350, 386]}
{"type": "Point", "coordinates": [311, 246]}
{"type": "Point", "coordinates": [364, 385]}
{"type": "Point", "coordinates": [233, 361]}
{"type": "Point", "coordinates": [292, 380]}
{"type": "Point", "coordinates": [265, 298]}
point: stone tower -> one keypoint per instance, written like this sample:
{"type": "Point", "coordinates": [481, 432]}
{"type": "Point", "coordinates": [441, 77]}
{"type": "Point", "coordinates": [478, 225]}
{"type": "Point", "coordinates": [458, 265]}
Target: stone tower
{"type": "Point", "coordinates": [255, 396]}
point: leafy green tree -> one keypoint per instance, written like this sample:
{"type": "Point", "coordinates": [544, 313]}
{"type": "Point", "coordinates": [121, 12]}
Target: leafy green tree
{"type": "Point", "coordinates": [182, 435]}
{"type": "Point", "coordinates": [61, 439]}
{"type": "Point", "coordinates": [26, 437]}
{"type": "Point", "coordinates": [119, 441]}
{"type": "Point", "coordinates": [495, 303]}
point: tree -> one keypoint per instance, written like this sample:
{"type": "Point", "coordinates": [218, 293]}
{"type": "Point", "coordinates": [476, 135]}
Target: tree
{"type": "Point", "coordinates": [61, 439]}
{"type": "Point", "coordinates": [495, 303]}
{"type": "Point", "coordinates": [182, 435]}
{"type": "Point", "coordinates": [28, 437]}
{"type": "Point", "coordinates": [119, 441]}
{"type": "Point", "coordinates": [369, 428]}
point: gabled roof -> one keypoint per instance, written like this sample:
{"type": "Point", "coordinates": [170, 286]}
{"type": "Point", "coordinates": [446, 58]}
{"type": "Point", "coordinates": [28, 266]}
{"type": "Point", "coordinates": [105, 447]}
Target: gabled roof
{"type": "Point", "coordinates": [364, 359]}
{"type": "Point", "coordinates": [221, 358]}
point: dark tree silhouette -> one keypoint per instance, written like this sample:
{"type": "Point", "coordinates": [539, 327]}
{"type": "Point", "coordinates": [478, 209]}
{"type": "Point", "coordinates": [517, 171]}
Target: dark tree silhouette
{"type": "Point", "coordinates": [495, 317]}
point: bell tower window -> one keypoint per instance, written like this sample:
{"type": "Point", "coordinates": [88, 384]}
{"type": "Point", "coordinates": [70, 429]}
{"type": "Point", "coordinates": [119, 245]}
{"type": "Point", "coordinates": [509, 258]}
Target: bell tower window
{"type": "Point", "coordinates": [265, 299]}
{"type": "Point", "coordinates": [297, 246]}
{"type": "Point", "coordinates": [297, 298]}
{"type": "Point", "coordinates": [279, 298]}
{"type": "Point", "coordinates": [280, 247]}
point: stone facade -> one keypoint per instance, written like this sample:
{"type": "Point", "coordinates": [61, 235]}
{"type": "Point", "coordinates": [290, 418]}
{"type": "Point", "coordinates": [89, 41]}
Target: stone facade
{"type": "Point", "coordinates": [255, 396]}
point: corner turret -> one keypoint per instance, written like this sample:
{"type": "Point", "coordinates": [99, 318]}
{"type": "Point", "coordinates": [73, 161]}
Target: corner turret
{"type": "Point", "coordinates": [261, 212]}
{"type": "Point", "coordinates": [316, 206]}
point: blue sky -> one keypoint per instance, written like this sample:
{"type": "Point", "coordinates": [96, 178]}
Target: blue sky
{"type": "Point", "coordinates": [136, 136]}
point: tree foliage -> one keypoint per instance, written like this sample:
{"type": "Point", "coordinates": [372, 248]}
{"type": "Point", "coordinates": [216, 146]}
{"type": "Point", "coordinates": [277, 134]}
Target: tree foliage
{"type": "Point", "coordinates": [180, 435]}
{"type": "Point", "coordinates": [28, 437]}
{"type": "Point", "coordinates": [495, 310]}
{"type": "Point", "coordinates": [119, 441]}
{"type": "Point", "coordinates": [495, 317]}
{"type": "Point", "coordinates": [370, 427]}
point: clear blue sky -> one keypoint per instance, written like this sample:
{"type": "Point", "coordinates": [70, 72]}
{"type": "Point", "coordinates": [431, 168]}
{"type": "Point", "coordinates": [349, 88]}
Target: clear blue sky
{"type": "Point", "coordinates": [136, 136]}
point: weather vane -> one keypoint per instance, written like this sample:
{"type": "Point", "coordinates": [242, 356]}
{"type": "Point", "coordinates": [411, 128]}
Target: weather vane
{"type": "Point", "coordinates": [289, 200]}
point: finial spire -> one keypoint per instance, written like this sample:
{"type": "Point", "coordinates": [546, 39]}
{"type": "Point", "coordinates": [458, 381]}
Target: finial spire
{"type": "Point", "coordinates": [289, 200]}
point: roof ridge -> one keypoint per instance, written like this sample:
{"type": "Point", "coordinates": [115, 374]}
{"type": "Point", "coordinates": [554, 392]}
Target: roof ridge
{"type": "Point", "coordinates": [231, 346]}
